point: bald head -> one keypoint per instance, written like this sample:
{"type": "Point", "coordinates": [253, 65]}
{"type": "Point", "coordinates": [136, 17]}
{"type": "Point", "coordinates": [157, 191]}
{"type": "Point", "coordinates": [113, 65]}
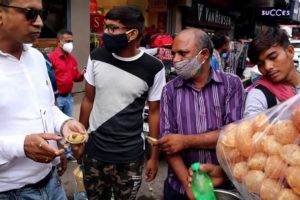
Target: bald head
{"type": "Point", "coordinates": [196, 36]}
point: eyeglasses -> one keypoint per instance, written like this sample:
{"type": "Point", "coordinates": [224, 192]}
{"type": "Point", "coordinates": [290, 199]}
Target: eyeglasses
{"type": "Point", "coordinates": [30, 13]}
{"type": "Point", "coordinates": [111, 28]}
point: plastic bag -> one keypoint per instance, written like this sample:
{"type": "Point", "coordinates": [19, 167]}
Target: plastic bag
{"type": "Point", "coordinates": [261, 153]}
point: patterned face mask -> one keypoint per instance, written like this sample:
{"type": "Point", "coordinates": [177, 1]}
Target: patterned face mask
{"type": "Point", "coordinates": [188, 69]}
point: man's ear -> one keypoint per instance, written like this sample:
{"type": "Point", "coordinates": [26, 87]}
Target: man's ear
{"type": "Point", "coordinates": [205, 54]}
{"type": "Point", "coordinates": [290, 51]}
{"type": "Point", "coordinates": [132, 35]}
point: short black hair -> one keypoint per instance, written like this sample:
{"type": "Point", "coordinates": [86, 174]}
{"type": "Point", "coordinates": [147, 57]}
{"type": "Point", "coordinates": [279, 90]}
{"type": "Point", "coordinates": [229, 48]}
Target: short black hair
{"type": "Point", "coordinates": [266, 39]}
{"type": "Point", "coordinates": [219, 40]}
{"type": "Point", "coordinates": [129, 16]}
{"type": "Point", "coordinates": [62, 32]}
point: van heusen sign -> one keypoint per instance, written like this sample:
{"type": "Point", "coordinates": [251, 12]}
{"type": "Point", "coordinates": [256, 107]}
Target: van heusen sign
{"type": "Point", "coordinates": [212, 16]}
{"type": "Point", "coordinates": [203, 16]}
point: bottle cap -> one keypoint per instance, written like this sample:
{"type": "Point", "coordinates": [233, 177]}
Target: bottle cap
{"type": "Point", "coordinates": [195, 166]}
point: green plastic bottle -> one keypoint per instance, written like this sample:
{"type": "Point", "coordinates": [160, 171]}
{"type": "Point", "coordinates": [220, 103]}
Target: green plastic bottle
{"type": "Point", "coordinates": [202, 186]}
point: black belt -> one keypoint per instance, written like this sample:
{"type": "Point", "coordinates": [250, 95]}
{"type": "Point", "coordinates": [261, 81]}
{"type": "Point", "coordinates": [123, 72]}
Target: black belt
{"type": "Point", "coordinates": [40, 183]}
{"type": "Point", "coordinates": [64, 95]}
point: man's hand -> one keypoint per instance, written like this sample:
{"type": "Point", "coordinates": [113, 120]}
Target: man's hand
{"type": "Point", "coordinates": [214, 171]}
{"type": "Point", "coordinates": [74, 126]}
{"type": "Point", "coordinates": [78, 150]}
{"type": "Point", "coordinates": [36, 147]}
{"type": "Point", "coordinates": [84, 70]}
{"type": "Point", "coordinates": [151, 169]}
{"type": "Point", "coordinates": [189, 194]}
{"type": "Point", "coordinates": [172, 143]}
{"type": "Point", "coordinates": [62, 166]}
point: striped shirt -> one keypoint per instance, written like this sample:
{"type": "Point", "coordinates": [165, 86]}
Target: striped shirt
{"type": "Point", "coordinates": [187, 110]}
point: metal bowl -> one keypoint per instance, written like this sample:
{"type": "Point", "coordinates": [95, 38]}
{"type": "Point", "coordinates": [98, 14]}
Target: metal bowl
{"type": "Point", "coordinates": [226, 195]}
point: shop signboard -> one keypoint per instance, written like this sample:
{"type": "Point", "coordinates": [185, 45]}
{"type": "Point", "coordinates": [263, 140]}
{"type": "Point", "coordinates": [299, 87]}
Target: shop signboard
{"type": "Point", "coordinates": [96, 22]}
{"type": "Point", "coordinates": [273, 12]}
{"type": "Point", "coordinates": [96, 25]}
{"type": "Point", "coordinates": [201, 15]}
{"type": "Point", "coordinates": [289, 12]}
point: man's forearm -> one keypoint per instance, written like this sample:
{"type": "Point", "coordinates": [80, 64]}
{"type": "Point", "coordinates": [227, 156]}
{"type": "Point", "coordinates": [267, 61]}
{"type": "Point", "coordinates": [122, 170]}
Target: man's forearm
{"type": "Point", "coordinates": [202, 141]}
{"type": "Point", "coordinates": [86, 108]}
{"type": "Point", "coordinates": [153, 121]}
{"type": "Point", "coordinates": [176, 163]}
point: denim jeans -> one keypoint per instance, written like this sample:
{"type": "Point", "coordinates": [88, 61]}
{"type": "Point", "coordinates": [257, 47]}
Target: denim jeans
{"type": "Point", "coordinates": [53, 190]}
{"type": "Point", "coordinates": [65, 104]}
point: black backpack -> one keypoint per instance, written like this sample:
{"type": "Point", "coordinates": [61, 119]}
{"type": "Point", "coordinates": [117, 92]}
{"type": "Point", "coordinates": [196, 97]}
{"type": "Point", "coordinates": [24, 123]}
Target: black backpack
{"type": "Point", "coordinates": [271, 99]}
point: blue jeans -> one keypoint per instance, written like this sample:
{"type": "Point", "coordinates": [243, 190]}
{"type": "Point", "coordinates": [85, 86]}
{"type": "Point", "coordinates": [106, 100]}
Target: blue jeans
{"type": "Point", "coordinates": [170, 194]}
{"type": "Point", "coordinates": [53, 190]}
{"type": "Point", "coordinates": [65, 104]}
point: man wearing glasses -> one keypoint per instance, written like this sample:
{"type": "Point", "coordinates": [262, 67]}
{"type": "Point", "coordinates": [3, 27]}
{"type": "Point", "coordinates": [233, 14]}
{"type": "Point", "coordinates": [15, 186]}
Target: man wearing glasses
{"type": "Point", "coordinates": [119, 79]}
{"type": "Point", "coordinates": [28, 117]}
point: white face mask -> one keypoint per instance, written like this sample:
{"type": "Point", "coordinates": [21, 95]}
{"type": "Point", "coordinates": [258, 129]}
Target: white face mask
{"type": "Point", "coordinates": [68, 47]}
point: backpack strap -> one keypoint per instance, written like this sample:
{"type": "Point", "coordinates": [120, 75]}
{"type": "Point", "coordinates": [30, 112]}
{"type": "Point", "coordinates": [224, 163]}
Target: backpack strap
{"type": "Point", "coordinates": [271, 99]}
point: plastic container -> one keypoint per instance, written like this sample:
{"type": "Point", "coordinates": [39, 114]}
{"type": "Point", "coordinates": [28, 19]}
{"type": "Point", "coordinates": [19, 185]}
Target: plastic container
{"type": "Point", "coordinates": [226, 195]}
{"type": "Point", "coordinates": [202, 186]}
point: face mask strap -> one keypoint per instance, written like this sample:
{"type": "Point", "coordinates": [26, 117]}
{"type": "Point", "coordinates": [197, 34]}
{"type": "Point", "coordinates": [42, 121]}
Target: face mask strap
{"type": "Point", "coordinates": [199, 54]}
{"type": "Point", "coordinates": [127, 32]}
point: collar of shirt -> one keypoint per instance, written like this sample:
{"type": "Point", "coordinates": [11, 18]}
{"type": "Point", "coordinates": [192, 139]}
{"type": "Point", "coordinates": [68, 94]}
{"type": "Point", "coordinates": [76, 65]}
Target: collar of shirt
{"type": "Point", "coordinates": [213, 76]}
{"type": "Point", "coordinates": [60, 53]}
{"type": "Point", "coordinates": [297, 88]}
{"type": "Point", "coordinates": [25, 48]}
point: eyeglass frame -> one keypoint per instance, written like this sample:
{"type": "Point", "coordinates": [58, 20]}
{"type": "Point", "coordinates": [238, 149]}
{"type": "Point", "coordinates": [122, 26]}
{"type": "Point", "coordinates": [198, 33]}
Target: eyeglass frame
{"type": "Point", "coordinates": [31, 14]}
{"type": "Point", "coordinates": [111, 28]}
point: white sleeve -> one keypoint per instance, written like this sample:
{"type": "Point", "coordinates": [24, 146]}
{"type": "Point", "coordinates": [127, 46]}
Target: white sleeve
{"type": "Point", "coordinates": [89, 75]}
{"type": "Point", "coordinates": [59, 118]}
{"type": "Point", "coordinates": [152, 51]}
{"type": "Point", "coordinates": [11, 146]}
{"type": "Point", "coordinates": [156, 89]}
{"type": "Point", "coordinates": [256, 102]}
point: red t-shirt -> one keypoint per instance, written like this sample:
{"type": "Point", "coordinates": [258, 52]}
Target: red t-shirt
{"type": "Point", "coordinates": [66, 71]}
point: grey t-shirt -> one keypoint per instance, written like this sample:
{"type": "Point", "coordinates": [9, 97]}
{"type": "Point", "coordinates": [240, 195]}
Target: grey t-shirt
{"type": "Point", "coordinates": [256, 102]}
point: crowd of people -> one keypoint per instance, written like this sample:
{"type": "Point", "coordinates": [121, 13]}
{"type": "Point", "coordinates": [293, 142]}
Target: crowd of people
{"type": "Point", "coordinates": [185, 113]}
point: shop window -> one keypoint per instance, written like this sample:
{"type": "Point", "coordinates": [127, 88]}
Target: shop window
{"type": "Point", "coordinates": [57, 19]}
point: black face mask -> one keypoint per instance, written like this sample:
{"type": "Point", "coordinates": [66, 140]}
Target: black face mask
{"type": "Point", "coordinates": [114, 43]}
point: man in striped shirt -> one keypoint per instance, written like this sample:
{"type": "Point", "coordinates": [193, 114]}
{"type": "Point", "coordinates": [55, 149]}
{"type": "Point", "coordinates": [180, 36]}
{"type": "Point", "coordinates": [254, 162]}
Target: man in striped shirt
{"type": "Point", "coordinates": [194, 107]}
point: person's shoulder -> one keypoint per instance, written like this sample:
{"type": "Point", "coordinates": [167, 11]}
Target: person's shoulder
{"type": "Point", "coordinates": [152, 61]}
{"type": "Point", "coordinates": [228, 76]}
{"type": "Point", "coordinates": [54, 54]}
{"type": "Point", "coordinates": [35, 52]}
{"type": "Point", "coordinates": [256, 97]}
{"type": "Point", "coordinates": [176, 82]}
{"type": "Point", "coordinates": [98, 53]}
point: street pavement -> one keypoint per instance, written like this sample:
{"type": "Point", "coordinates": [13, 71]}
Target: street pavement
{"type": "Point", "coordinates": [148, 191]}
